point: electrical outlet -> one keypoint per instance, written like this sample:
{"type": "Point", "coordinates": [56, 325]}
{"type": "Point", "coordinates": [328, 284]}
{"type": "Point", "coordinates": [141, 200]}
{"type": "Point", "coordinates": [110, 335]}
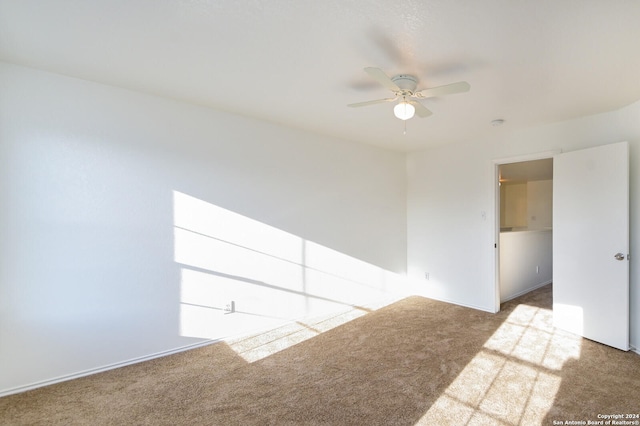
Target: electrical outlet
{"type": "Point", "coordinates": [426, 276]}
{"type": "Point", "coordinates": [230, 307]}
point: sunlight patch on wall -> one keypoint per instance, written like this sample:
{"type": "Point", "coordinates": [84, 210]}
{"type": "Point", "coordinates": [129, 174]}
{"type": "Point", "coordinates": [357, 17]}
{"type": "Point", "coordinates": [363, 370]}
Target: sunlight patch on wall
{"type": "Point", "coordinates": [325, 260]}
{"type": "Point", "coordinates": [202, 314]}
{"type": "Point", "coordinates": [239, 275]}
{"type": "Point", "coordinates": [514, 379]}
{"type": "Point", "coordinates": [207, 219]}
{"type": "Point", "coordinates": [211, 254]}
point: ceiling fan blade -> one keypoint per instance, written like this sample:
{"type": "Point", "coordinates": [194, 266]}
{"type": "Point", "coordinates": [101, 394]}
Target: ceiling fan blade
{"type": "Point", "coordinates": [377, 101]}
{"type": "Point", "coordinates": [421, 110]}
{"type": "Point", "coordinates": [448, 89]}
{"type": "Point", "coordinates": [382, 78]}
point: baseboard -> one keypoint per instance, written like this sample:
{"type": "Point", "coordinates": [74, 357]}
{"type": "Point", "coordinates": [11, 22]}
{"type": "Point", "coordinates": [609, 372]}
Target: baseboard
{"type": "Point", "coordinates": [91, 371]}
{"type": "Point", "coordinates": [528, 290]}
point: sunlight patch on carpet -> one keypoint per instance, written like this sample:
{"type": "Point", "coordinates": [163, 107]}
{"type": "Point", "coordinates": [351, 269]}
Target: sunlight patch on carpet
{"type": "Point", "coordinates": [262, 345]}
{"type": "Point", "coordinates": [514, 379]}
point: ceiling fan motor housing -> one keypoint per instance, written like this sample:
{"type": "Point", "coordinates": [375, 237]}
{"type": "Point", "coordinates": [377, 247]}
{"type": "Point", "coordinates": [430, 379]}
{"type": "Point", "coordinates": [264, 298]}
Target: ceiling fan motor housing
{"type": "Point", "coordinates": [405, 82]}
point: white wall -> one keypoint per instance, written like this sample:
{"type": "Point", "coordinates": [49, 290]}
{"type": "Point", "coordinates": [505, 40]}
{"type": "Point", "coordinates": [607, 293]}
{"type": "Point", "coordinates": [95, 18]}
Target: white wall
{"type": "Point", "coordinates": [514, 196]}
{"type": "Point", "coordinates": [450, 186]}
{"type": "Point", "coordinates": [526, 205]}
{"type": "Point", "coordinates": [450, 223]}
{"type": "Point", "coordinates": [89, 176]}
{"type": "Point", "coordinates": [525, 262]}
{"type": "Point", "coordinates": [540, 204]}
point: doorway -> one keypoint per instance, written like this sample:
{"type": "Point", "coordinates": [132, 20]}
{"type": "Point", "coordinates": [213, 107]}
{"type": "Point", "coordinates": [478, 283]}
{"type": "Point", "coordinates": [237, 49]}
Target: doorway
{"type": "Point", "coordinates": [523, 229]}
{"type": "Point", "coordinates": [590, 243]}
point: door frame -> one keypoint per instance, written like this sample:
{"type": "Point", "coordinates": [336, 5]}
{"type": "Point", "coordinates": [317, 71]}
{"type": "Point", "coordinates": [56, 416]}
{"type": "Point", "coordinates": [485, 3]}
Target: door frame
{"type": "Point", "coordinates": [495, 190]}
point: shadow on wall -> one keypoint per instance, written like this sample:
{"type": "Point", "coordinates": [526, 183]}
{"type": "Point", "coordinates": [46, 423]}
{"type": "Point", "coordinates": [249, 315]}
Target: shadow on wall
{"type": "Point", "coordinates": [238, 275]}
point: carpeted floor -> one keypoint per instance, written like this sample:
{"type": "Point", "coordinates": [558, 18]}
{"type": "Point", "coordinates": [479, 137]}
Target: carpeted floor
{"type": "Point", "coordinates": [416, 361]}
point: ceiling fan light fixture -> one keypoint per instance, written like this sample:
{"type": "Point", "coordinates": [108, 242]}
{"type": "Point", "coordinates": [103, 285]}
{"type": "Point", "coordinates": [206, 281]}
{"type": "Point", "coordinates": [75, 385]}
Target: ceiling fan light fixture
{"type": "Point", "coordinates": [404, 110]}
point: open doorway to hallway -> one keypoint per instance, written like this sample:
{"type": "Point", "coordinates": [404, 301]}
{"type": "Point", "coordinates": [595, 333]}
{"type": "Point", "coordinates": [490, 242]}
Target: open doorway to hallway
{"type": "Point", "coordinates": [524, 240]}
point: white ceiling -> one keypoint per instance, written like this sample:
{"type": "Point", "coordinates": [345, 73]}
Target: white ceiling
{"type": "Point", "coordinates": [299, 63]}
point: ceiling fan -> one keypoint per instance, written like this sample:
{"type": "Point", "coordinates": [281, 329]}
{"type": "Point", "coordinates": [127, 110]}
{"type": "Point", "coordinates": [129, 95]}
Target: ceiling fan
{"type": "Point", "coordinates": [404, 89]}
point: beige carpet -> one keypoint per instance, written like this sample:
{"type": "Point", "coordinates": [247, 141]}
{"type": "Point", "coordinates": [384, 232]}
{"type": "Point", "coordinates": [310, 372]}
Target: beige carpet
{"type": "Point", "coordinates": [416, 361]}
